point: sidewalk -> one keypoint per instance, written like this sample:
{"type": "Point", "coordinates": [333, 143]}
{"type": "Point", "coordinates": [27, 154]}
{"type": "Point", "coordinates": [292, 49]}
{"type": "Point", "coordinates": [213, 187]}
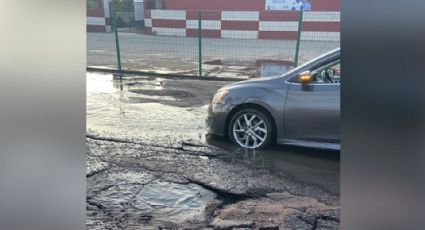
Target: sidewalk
{"type": "Point", "coordinates": [220, 57]}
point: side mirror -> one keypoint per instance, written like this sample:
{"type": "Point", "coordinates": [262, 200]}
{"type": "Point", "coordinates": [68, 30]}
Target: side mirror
{"type": "Point", "coordinates": [305, 77]}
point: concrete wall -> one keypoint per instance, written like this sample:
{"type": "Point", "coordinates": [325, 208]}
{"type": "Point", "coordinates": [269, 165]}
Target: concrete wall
{"type": "Point", "coordinates": [316, 25]}
{"type": "Point", "coordinates": [240, 5]}
{"type": "Point", "coordinates": [99, 19]}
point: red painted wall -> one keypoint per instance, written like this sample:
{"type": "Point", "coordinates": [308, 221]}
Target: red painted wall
{"type": "Point", "coordinates": [215, 4]}
{"type": "Point", "coordinates": [96, 12]}
{"type": "Point", "coordinates": [326, 5]}
{"type": "Point", "coordinates": [242, 5]}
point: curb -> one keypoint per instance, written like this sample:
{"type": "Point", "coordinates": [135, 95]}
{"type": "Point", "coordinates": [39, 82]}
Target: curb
{"type": "Point", "coordinates": [162, 75]}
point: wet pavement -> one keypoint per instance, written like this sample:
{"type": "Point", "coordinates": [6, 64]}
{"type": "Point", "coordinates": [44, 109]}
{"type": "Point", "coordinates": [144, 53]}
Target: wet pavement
{"type": "Point", "coordinates": [179, 55]}
{"type": "Point", "coordinates": [148, 108]}
{"type": "Point", "coordinates": [318, 167]}
{"type": "Point", "coordinates": [150, 165]}
{"type": "Point", "coordinates": [248, 68]}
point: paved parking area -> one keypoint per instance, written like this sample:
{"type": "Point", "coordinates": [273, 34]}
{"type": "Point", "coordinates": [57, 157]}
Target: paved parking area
{"type": "Point", "coordinates": [221, 57]}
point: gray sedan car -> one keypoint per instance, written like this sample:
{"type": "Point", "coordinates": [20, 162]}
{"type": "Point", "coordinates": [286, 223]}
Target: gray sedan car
{"type": "Point", "coordinates": [300, 107]}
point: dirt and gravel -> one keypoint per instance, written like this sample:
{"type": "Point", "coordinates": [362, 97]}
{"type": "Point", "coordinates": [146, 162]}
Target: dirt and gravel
{"type": "Point", "coordinates": [150, 166]}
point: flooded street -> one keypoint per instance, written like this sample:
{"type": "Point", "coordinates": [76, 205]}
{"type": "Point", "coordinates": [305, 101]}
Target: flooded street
{"type": "Point", "coordinates": [150, 165]}
{"type": "Point", "coordinates": [318, 167]}
{"type": "Point", "coordinates": [144, 108]}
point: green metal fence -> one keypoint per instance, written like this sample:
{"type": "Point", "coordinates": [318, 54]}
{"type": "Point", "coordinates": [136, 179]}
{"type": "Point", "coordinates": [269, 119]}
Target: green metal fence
{"type": "Point", "coordinates": [131, 47]}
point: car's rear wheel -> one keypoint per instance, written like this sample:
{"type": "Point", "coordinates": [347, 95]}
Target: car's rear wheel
{"type": "Point", "coordinates": [251, 128]}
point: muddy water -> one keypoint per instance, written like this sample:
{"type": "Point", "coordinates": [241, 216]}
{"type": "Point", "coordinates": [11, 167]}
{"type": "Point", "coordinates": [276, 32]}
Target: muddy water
{"type": "Point", "coordinates": [159, 109]}
{"type": "Point", "coordinates": [152, 110]}
{"type": "Point", "coordinates": [131, 113]}
{"type": "Point", "coordinates": [317, 167]}
{"type": "Point", "coordinates": [155, 201]}
{"type": "Point", "coordinates": [174, 202]}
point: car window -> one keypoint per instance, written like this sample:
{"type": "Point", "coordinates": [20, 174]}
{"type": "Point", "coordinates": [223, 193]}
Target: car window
{"type": "Point", "coordinates": [327, 74]}
{"type": "Point", "coordinates": [309, 66]}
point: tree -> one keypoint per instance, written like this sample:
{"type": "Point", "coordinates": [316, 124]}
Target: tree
{"type": "Point", "coordinates": [123, 5]}
{"type": "Point", "coordinates": [92, 4]}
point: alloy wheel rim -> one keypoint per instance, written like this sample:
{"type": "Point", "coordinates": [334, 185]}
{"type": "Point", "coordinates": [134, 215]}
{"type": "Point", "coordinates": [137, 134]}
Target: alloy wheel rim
{"type": "Point", "coordinates": [250, 130]}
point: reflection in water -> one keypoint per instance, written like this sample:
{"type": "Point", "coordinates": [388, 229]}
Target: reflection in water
{"type": "Point", "coordinates": [174, 202]}
{"type": "Point", "coordinates": [123, 112]}
{"type": "Point", "coordinates": [248, 156]}
{"type": "Point", "coordinates": [306, 165]}
{"type": "Point", "coordinates": [118, 83]}
{"type": "Point", "coordinates": [110, 110]}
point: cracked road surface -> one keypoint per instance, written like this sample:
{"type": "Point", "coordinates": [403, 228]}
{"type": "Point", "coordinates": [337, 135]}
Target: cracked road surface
{"type": "Point", "coordinates": [149, 166]}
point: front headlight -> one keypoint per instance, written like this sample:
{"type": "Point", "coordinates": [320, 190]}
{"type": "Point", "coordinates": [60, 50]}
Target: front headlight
{"type": "Point", "coordinates": [219, 97]}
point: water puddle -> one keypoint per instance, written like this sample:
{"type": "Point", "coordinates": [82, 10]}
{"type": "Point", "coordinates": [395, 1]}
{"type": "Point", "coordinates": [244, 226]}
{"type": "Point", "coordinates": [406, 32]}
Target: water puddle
{"type": "Point", "coordinates": [147, 107]}
{"type": "Point", "coordinates": [163, 111]}
{"type": "Point", "coordinates": [257, 68]}
{"type": "Point", "coordinates": [175, 202]}
{"type": "Point", "coordinates": [312, 166]}
{"type": "Point", "coordinates": [156, 201]}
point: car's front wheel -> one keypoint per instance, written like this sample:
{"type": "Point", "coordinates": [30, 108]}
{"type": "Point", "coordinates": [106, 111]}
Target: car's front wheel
{"type": "Point", "coordinates": [251, 128]}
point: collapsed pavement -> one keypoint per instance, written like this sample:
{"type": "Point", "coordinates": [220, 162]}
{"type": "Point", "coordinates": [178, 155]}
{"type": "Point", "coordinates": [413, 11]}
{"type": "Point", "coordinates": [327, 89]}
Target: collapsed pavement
{"type": "Point", "coordinates": [187, 184]}
{"type": "Point", "coordinates": [145, 170]}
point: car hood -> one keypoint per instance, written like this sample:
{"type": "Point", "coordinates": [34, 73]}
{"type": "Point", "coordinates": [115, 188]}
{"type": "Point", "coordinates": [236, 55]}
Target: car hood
{"type": "Point", "coordinates": [256, 81]}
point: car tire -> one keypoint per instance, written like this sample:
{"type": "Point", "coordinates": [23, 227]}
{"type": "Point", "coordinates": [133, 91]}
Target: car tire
{"type": "Point", "coordinates": [267, 124]}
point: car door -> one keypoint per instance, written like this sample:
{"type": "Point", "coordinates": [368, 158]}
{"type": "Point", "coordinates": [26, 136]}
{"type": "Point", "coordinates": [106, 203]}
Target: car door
{"type": "Point", "coordinates": [312, 110]}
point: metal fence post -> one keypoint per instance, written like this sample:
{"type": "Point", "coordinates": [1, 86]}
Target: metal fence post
{"type": "Point", "coordinates": [200, 42]}
{"type": "Point", "coordinates": [129, 28]}
{"type": "Point", "coordinates": [117, 42]}
{"type": "Point", "coordinates": [297, 49]}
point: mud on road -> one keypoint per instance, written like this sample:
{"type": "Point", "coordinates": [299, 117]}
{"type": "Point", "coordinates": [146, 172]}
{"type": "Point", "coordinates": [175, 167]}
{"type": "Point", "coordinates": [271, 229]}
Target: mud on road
{"type": "Point", "coordinates": [149, 166]}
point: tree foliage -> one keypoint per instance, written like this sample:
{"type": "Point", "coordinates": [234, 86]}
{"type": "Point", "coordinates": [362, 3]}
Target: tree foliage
{"type": "Point", "coordinates": [122, 5]}
{"type": "Point", "coordinates": [92, 4]}
{"type": "Point", "coordinates": [117, 5]}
